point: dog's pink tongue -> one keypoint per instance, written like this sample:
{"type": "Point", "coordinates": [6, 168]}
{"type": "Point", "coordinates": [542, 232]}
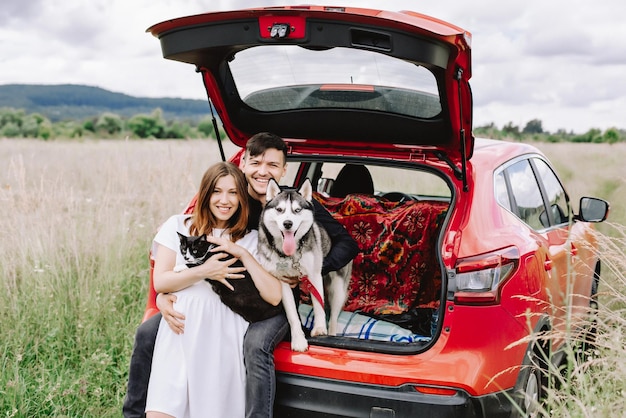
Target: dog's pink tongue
{"type": "Point", "coordinates": [289, 243]}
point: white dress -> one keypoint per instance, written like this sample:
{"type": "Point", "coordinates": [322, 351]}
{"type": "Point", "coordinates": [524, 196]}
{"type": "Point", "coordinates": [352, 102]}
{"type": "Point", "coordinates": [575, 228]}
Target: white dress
{"type": "Point", "coordinates": [201, 371]}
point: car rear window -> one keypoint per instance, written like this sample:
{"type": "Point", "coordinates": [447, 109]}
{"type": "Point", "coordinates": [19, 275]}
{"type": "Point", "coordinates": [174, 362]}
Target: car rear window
{"type": "Point", "coordinates": [287, 77]}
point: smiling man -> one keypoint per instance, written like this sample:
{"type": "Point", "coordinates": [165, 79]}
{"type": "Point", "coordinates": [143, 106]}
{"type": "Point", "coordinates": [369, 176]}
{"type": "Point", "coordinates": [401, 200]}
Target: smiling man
{"type": "Point", "coordinates": [265, 158]}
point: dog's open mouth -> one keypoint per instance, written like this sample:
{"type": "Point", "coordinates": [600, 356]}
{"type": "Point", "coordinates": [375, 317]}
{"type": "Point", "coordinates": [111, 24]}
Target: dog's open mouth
{"type": "Point", "coordinates": [289, 242]}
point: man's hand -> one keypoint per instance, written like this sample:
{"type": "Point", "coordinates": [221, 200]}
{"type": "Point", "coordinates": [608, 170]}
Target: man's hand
{"type": "Point", "coordinates": [292, 281]}
{"type": "Point", "coordinates": [165, 303]}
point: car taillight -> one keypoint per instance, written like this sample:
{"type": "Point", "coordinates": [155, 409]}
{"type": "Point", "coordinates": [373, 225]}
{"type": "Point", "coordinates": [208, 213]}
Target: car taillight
{"type": "Point", "coordinates": [479, 278]}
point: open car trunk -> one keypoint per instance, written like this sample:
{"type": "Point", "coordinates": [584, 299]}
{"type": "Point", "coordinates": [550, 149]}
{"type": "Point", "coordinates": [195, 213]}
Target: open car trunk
{"type": "Point", "coordinates": [396, 216]}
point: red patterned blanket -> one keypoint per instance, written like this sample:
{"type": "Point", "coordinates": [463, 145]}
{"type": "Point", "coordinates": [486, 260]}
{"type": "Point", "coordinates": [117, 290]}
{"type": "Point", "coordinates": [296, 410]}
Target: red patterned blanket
{"type": "Point", "coordinates": [396, 268]}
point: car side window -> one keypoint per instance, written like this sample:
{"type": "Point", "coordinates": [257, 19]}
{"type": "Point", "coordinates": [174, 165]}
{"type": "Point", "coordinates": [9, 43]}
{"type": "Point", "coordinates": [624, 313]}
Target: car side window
{"type": "Point", "coordinates": [527, 202]}
{"type": "Point", "coordinates": [502, 191]}
{"type": "Point", "coordinates": [557, 197]}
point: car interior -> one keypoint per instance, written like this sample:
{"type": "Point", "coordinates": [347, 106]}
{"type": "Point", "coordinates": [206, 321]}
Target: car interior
{"type": "Point", "coordinates": [395, 291]}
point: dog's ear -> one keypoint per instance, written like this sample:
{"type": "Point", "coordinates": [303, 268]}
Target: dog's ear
{"type": "Point", "coordinates": [272, 190]}
{"type": "Point", "coordinates": [306, 190]}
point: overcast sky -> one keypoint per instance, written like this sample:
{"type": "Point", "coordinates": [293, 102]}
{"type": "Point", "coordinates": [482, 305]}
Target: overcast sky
{"type": "Point", "coordinates": [562, 62]}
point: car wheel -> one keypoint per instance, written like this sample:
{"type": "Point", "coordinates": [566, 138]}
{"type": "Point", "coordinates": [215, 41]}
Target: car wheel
{"type": "Point", "coordinates": [531, 385]}
{"type": "Point", "coordinates": [533, 393]}
{"type": "Point", "coordinates": [588, 340]}
{"type": "Point", "coordinates": [593, 302]}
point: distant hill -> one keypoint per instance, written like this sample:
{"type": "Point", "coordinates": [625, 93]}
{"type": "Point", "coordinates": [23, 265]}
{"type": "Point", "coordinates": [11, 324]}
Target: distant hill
{"type": "Point", "coordinates": [79, 102]}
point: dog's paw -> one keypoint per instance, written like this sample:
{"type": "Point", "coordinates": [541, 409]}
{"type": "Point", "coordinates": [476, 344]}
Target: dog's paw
{"type": "Point", "coordinates": [299, 344]}
{"type": "Point", "coordinates": [319, 330]}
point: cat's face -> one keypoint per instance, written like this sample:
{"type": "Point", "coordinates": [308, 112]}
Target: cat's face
{"type": "Point", "coordinates": [195, 249]}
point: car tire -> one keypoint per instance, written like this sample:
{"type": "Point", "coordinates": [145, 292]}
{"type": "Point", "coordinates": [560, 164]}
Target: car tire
{"type": "Point", "coordinates": [588, 340]}
{"type": "Point", "coordinates": [593, 301]}
{"type": "Point", "coordinates": [532, 382]}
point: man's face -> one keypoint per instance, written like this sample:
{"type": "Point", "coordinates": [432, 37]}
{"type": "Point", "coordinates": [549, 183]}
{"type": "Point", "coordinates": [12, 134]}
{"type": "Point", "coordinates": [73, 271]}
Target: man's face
{"type": "Point", "coordinates": [259, 169]}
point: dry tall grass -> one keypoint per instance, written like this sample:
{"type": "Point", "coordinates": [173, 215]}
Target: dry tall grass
{"type": "Point", "coordinates": [77, 220]}
{"type": "Point", "coordinates": [67, 197]}
{"type": "Point", "coordinates": [592, 383]}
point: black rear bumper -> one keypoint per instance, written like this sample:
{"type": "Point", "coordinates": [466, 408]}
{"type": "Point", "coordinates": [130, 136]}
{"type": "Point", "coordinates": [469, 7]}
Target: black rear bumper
{"type": "Point", "coordinates": [303, 397]}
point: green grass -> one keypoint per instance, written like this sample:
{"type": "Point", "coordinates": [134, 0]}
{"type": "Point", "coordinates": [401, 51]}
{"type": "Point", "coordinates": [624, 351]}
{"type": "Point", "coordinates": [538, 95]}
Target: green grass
{"type": "Point", "coordinates": [66, 350]}
{"type": "Point", "coordinates": [77, 219]}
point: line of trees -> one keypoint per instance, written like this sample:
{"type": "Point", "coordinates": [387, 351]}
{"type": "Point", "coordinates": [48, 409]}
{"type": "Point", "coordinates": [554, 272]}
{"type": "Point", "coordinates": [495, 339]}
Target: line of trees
{"type": "Point", "coordinates": [534, 131]}
{"type": "Point", "coordinates": [16, 123]}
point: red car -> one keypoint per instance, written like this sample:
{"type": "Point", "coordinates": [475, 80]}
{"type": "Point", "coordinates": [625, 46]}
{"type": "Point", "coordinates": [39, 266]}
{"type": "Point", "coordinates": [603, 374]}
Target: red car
{"type": "Point", "coordinates": [468, 247]}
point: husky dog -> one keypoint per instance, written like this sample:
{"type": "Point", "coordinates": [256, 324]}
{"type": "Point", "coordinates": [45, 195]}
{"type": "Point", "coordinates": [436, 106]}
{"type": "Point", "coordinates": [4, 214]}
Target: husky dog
{"type": "Point", "coordinates": [245, 299]}
{"type": "Point", "coordinates": [292, 244]}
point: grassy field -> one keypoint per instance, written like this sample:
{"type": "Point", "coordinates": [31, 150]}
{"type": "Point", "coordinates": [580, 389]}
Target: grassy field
{"type": "Point", "coordinates": [77, 220]}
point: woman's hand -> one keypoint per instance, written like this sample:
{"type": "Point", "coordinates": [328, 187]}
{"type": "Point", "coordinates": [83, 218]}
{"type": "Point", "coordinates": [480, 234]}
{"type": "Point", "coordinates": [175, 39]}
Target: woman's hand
{"type": "Point", "coordinates": [173, 318]}
{"type": "Point", "coordinates": [218, 268]}
{"type": "Point", "coordinates": [166, 280]}
{"type": "Point", "coordinates": [227, 246]}
{"type": "Point", "coordinates": [268, 286]}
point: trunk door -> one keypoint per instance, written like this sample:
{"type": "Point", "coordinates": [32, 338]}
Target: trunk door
{"type": "Point", "coordinates": [333, 78]}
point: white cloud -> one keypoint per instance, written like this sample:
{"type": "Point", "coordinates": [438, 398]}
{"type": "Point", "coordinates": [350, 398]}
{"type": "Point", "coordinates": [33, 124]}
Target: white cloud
{"type": "Point", "coordinates": [559, 61]}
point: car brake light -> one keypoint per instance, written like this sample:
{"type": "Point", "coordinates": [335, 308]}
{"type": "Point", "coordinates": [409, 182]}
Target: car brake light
{"type": "Point", "coordinates": [480, 278]}
{"type": "Point", "coordinates": [429, 390]}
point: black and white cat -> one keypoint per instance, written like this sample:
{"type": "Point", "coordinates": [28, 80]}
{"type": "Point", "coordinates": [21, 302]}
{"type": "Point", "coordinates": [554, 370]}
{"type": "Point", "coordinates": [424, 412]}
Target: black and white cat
{"type": "Point", "coordinates": [245, 300]}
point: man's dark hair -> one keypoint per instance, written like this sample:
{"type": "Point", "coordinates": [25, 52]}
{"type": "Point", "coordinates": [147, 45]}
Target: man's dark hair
{"type": "Point", "coordinates": [259, 143]}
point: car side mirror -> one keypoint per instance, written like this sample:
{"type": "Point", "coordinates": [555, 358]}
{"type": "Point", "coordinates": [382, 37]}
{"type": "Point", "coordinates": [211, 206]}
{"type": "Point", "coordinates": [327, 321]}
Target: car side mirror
{"type": "Point", "coordinates": [592, 209]}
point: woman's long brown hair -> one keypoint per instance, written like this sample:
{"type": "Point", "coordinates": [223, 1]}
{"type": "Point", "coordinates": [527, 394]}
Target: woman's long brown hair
{"type": "Point", "coordinates": [202, 220]}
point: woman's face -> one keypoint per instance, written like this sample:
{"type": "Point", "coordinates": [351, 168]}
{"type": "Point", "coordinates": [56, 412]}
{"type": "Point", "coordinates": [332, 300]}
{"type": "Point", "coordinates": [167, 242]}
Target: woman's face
{"type": "Point", "coordinates": [224, 200]}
